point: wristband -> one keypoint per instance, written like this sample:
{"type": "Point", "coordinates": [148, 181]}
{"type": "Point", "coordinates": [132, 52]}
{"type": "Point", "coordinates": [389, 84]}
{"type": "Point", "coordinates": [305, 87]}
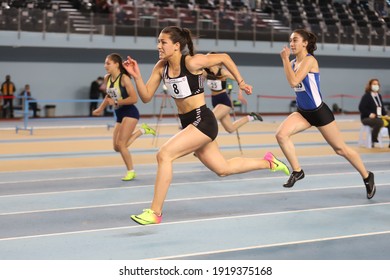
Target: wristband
{"type": "Point", "coordinates": [240, 81]}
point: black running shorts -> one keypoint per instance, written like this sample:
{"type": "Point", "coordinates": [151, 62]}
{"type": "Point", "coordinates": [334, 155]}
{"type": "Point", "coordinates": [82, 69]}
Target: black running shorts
{"type": "Point", "coordinates": [203, 119]}
{"type": "Point", "coordinates": [129, 111]}
{"type": "Point", "coordinates": [221, 98]}
{"type": "Point", "coordinates": [318, 117]}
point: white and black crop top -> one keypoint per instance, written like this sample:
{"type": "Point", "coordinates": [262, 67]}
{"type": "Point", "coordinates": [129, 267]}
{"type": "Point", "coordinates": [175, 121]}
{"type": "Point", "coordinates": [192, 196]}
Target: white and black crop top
{"type": "Point", "coordinates": [186, 84]}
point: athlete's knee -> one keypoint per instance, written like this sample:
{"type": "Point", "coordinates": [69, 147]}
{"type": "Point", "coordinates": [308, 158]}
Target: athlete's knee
{"type": "Point", "coordinates": [116, 148]}
{"type": "Point", "coordinates": [163, 155]}
{"type": "Point", "coordinates": [222, 172]}
{"type": "Point", "coordinates": [229, 130]}
{"type": "Point", "coordinates": [281, 136]}
{"type": "Point", "coordinates": [341, 151]}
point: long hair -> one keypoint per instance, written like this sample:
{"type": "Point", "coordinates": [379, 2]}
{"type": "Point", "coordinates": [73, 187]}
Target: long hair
{"type": "Point", "coordinates": [310, 38]}
{"type": "Point", "coordinates": [181, 35]}
{"type": "Point", "coordinates": [118, 59]}
{"type": "Point", "coordinates": [368, 85]}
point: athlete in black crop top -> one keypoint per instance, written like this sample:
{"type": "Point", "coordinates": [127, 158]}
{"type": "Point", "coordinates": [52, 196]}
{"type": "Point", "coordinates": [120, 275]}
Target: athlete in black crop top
{"type": "Point", "coordinates": [184, 85]}
{"type": "Point", "coordinates": [198, 122]}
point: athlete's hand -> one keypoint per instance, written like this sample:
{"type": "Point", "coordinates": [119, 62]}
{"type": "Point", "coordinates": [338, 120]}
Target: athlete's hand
{"type": "Point", "coordinates": [131, 67]}
{"type": "Point", "coordinates": [97, 112]}
{"type": "Point", "coordinates": [285, 53]}
{"type": "Point", "coordinates": [245, 87]}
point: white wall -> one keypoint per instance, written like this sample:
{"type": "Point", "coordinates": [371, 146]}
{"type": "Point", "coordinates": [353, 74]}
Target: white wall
{"type": "Point", "coordinates": [70, 81]}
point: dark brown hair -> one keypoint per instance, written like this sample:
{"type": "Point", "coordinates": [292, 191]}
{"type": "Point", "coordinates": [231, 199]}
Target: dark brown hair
{"type": "Point", "coordinates": [368, 85]}
{"type": "Point", "coordinates": [118, 59]}
{"type": "Point", "coordinates": [181, 35]}
{"type": "Point", "coordinates": [310, 38]}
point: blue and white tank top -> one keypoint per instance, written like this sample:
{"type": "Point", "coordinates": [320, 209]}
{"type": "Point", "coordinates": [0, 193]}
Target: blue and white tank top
{"type": "Point", "coordinates": [308, 94]}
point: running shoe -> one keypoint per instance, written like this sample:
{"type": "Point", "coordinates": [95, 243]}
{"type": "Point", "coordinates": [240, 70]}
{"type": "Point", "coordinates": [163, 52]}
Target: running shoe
{"type": "Point", "coordinates": [275, 164]}
{"type": "Point", "coordinates": [256, 116]}
{"type": "Point", "coordinates": [370, 185]}
{"type": "Point", "coordinates": [147, 217]}
{"type": "Point", "coordinates": [295, 176]}
{"type": "Point", "coordinates": [130, 175]}
{"type": "Point", "coordinates": [148, 129]}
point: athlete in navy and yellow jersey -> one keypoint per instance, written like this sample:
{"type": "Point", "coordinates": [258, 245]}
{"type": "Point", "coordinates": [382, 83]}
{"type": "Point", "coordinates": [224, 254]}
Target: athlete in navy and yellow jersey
{"type": "Point", "coordinates": [121, 94]}
{"type": "Point", "coordinates": [182, 75]}
{"type": "Point", "coordinates": [303, 75]}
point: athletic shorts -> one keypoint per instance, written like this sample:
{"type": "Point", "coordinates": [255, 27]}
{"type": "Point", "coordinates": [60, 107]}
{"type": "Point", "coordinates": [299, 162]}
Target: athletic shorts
{"type": "Point", "coordinates": [318, 117]}
{"type": "Point", "coordinates": [221, 98]}
{"type": "Point", "coordinates": [129, 111]}
{"type": "Point", "coordinates": [203, 119]}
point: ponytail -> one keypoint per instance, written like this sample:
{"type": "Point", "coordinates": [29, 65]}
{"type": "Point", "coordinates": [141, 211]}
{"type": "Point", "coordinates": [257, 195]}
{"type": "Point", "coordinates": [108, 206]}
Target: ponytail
{"type": "Point", "coordinates": [311, 39]}
{"type": "Point", "coordinates": [181, 35]}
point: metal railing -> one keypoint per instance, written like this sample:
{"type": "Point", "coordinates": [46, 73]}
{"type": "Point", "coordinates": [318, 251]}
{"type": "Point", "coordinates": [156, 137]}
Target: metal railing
{"type": "Point", "coordinates": [212, 24]}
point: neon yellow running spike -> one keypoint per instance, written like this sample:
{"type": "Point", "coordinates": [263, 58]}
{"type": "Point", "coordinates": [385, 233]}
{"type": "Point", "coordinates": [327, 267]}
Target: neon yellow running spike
{"type": "Point", "coordinates": [275, 164]}
{"type": "Point", "coordinates": [147, 217]}
{"type": "Point", "coordinates": [130, 175]}
{"type": "Point", "coordinates": [148, 129]}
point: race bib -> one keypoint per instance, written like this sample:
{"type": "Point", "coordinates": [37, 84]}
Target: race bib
{"type": "Point", "coordinates": [178, 88]}
{"type": "Point", "coordinates": [214, 85]}
{"type": "Point", "coordinates": [300, 87]}
{"type": "Point", "coordinates": [113, 93]}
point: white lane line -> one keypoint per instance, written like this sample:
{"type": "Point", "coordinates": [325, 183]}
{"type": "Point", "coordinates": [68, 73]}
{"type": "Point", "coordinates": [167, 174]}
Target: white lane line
{"type": "Point", "coordinates": [195, 221]}
{"type": "Point", "coordinates": [333, 238]}
{"type": "Point", "coordinates": [178, 200]}
{"type": "Point", "coordinates": [226, 179]}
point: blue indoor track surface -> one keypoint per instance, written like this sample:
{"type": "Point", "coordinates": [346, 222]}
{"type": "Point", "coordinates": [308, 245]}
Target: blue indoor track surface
{"type": "Point", "coordinates": [84, 213]}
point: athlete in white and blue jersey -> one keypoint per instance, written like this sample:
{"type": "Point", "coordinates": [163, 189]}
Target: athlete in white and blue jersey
{"type": "Point", "coordinates": [308, 93]}
{"type": "Point", "coordinates": [302, 73]}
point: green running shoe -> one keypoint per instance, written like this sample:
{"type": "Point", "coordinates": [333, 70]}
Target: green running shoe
{"type": "Point", "coordinates": [148, 217]}
{"type": "Point", "coordinates": [275, 164]}
{"type": "Point", "coordinates": [148, 129]}
{"type": "Point", "coordinates": [130, 175]}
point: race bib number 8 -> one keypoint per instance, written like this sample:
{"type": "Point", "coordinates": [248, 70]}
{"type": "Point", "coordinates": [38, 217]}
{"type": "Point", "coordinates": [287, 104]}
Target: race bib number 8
{"type": "Point", "coordinates": [178, 88]}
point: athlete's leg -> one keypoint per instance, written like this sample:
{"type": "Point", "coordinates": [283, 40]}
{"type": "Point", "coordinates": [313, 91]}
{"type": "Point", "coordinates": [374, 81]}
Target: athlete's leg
{"type": "Point", "coordinates": [333, 136]}
{"type": "Point", "coordinates": [212, 158]}
{"type": "Point", "coordinates": [122, 134]}
{"type": "Point", "coordinates": [184, 142]}
{"type": "Point", "coordinates": [293, 124]}
{"type": "Point", "coordinates": [222, 113]}
{"type": "Point", "coordinates": [145, 129]}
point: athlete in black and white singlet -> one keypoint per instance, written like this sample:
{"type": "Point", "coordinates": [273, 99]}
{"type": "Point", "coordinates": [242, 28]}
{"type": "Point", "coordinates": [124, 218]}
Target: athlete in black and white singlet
{"type": "Point", "coordinates": [186, 84]}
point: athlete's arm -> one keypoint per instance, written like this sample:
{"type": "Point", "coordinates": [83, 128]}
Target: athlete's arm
{"type": "Point", "coordinates": [145, 91]}
{"type": "Point", "coordinates": [200, 61]}
{"type": "Point", "coordinates": [307, 65]}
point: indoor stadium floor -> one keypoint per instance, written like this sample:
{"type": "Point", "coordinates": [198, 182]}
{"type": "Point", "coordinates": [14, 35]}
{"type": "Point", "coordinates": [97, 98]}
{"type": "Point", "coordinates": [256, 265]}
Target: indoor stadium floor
{"type": "Point", "coordinates": [61, 198]}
